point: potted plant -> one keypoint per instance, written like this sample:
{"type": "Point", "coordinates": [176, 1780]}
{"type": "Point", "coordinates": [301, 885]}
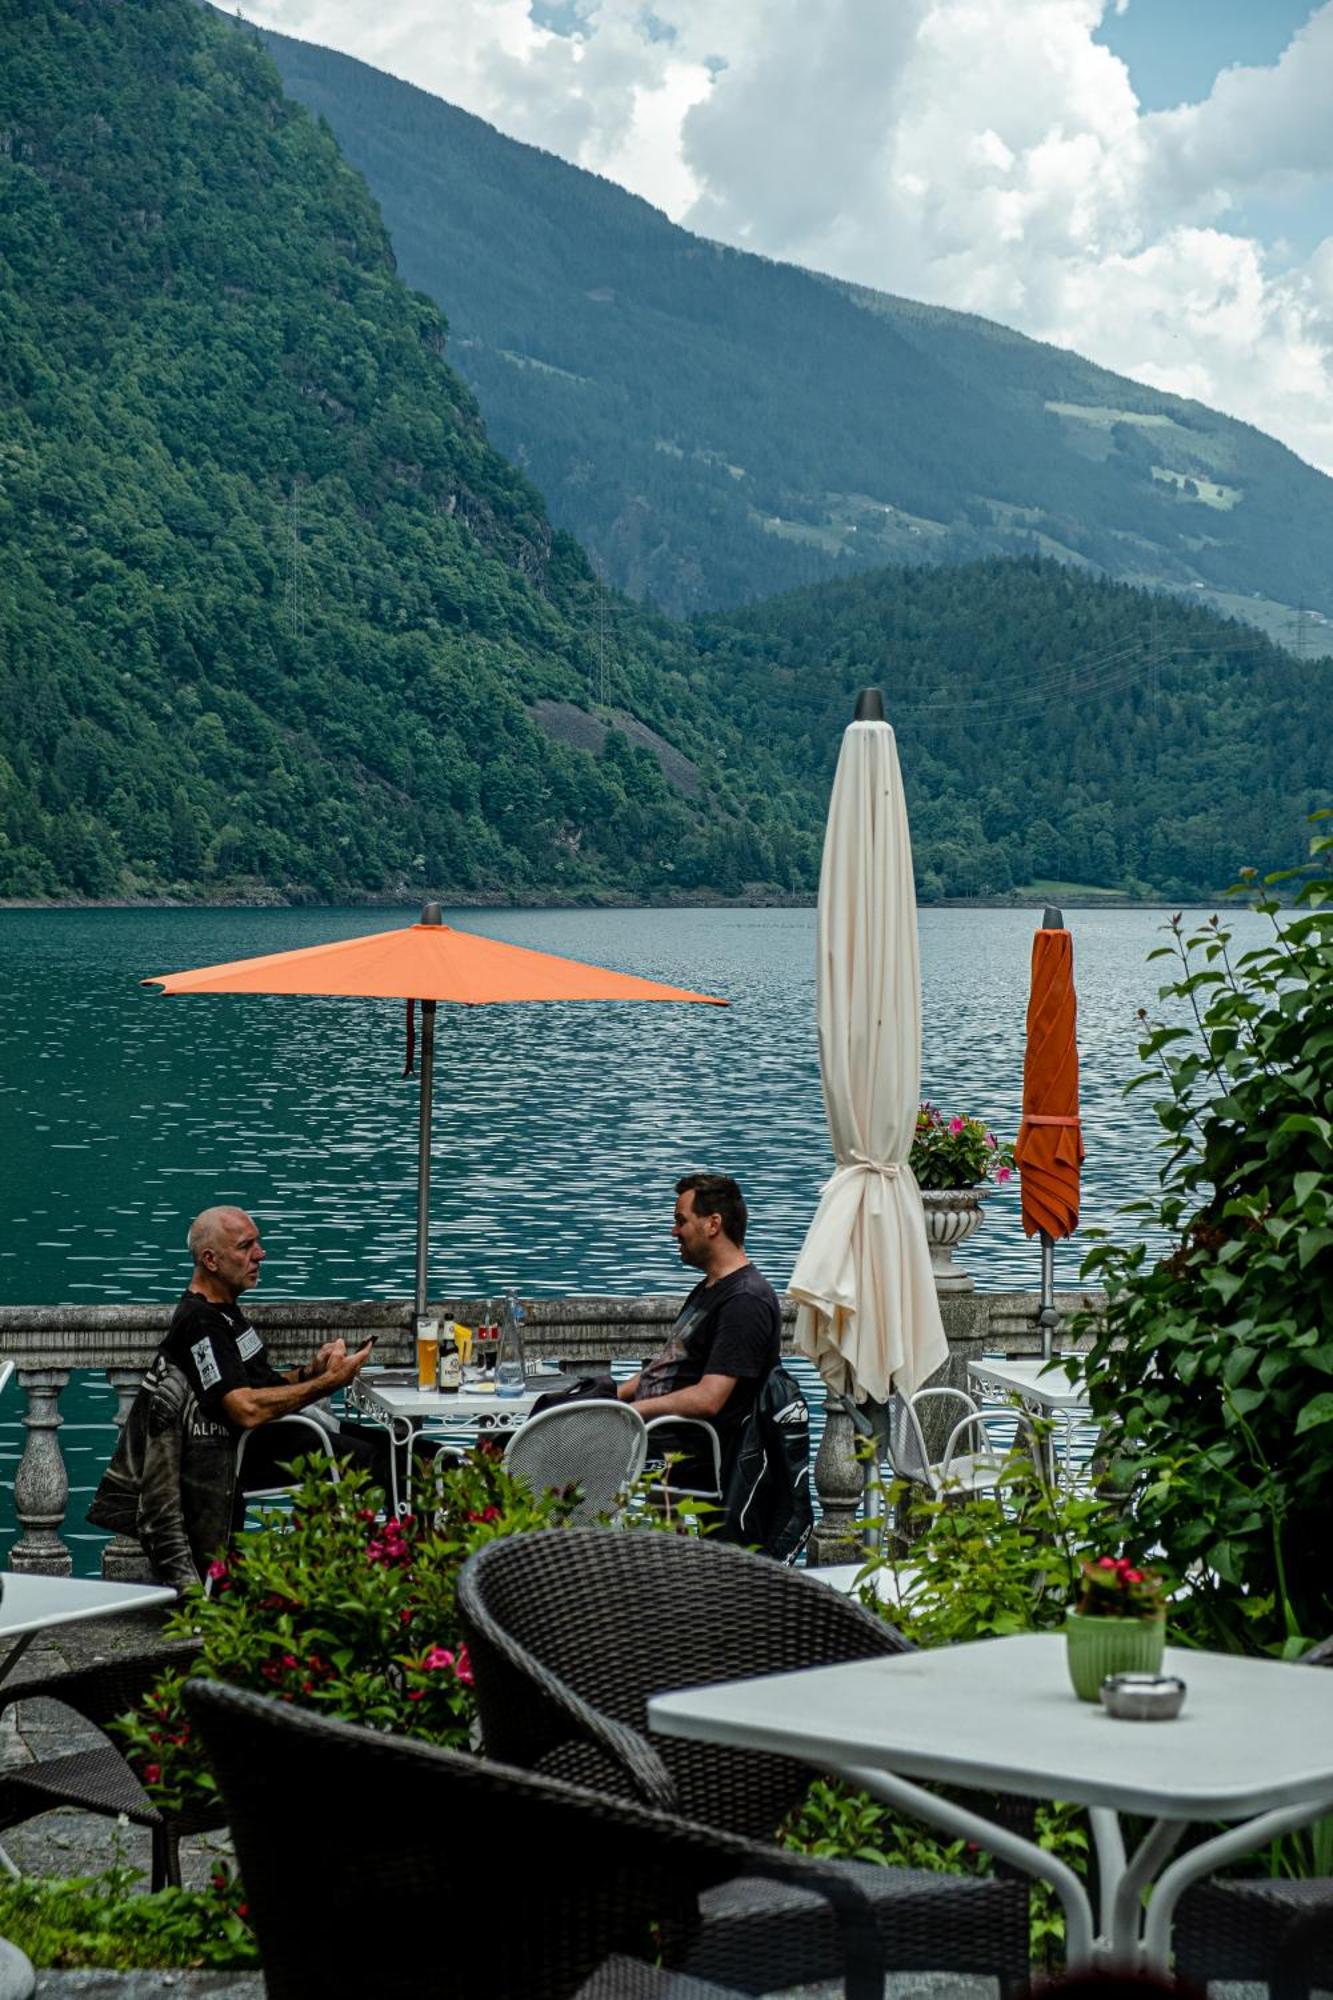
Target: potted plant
{"type": "Point", "coordinates": [1116, 1626]}
{"type": "Point", "coordinates": [954, 1159]}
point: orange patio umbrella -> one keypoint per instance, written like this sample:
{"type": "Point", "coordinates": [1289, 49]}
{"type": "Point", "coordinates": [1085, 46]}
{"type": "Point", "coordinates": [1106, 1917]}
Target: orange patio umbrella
{"type": "Point", "coordinates": [426, 962]}
{"type": "Point", "coordinates": [1049, 1149]}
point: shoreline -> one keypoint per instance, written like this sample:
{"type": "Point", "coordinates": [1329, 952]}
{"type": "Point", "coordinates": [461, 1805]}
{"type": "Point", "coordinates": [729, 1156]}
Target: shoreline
{"type": "Point", "coordinates": [259, 900]}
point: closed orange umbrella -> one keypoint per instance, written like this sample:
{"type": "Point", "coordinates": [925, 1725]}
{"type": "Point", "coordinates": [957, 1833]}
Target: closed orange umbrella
{"type": "Point", "coordinates": [1049, 1149]}
{"type": "Point", "coordinates": [427, 962]}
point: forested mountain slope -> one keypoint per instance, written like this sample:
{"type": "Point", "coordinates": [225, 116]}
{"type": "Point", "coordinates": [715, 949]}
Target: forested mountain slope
{"type": "Point", "coordinates": [274, 613]}
{"type": "Point", "coordinates": [1051, 728]}
{"type": "Point", "coordinates": [714, 427]}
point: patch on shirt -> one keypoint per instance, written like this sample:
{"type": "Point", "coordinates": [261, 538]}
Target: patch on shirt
{"type": "Point", "coordinates": [248, 1344]}
{"type": "Point", "coordinates": [206, 1362]}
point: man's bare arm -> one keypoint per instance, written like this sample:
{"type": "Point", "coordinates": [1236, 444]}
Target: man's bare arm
{"type": "Point", "coordinates": [626, 1389]}
{"type": "Point", "coordinates": [248, 1408]}
{"type": "Point", "coordinates": [704, 1398]}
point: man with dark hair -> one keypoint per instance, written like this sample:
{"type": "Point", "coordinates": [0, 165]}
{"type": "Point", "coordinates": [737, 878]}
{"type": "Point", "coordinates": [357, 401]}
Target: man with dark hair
{"type": "Point", "coordinates": [728, 1335]}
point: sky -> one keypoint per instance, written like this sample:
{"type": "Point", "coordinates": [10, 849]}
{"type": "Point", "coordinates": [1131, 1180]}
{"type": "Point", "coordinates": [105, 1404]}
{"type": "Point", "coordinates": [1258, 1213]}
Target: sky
{"type": "Point", "coordinates": [1149, 182]}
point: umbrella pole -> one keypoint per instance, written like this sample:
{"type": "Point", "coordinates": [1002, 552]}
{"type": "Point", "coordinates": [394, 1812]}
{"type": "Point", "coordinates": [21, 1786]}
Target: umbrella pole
{"type": "Point", "coordinates": [423, 1149]}
{"type": "Point", "coordinates": [1047, 1319]}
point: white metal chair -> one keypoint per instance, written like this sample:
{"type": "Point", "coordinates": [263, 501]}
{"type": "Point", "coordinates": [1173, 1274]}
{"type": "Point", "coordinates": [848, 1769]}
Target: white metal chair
{"type": "Point", "coordinates": [308, 1435]}
{"type": "Point", "coordinates": [697, 1438]}
{"type": "Point", "coordinates": [598, 1446]}
{"type": "Point", "coordinates": [957, 1470]}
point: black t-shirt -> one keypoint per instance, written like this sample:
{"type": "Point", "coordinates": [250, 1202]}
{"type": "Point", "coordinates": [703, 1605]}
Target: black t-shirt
{"type": "Point", "coordinates": [731, 1328]}
{"type": "Point", "coordinates": [217, 1350]}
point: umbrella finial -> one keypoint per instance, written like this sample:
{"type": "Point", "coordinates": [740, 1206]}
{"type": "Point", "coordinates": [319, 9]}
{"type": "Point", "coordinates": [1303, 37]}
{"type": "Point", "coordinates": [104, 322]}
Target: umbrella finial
{"type": "Point", "coordinates": [869, 706]}
{"type": "Point", "coordinates": [1051, 919]}
{"type": "Point", "coordinates": [430, 913]}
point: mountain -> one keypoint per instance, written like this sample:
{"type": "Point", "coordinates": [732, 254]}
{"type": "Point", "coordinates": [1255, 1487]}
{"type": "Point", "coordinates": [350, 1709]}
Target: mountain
{"type": "Point", "coordinates": [713, 426]}
{"type": "Point", "coordinates": [276, 619]}
{"type": "Point", "coordinates": [275, 616]}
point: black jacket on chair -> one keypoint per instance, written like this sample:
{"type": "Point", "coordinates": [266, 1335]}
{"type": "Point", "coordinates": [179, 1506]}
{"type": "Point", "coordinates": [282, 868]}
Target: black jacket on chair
{"type": "Point", "coordinates": [171, 1483]}
{"type": "Point", "coordinates": [766, 1502]}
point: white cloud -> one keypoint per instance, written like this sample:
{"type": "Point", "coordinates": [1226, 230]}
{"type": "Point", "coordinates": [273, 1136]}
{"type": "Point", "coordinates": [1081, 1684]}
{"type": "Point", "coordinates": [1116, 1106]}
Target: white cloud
{"type": "Point", "coordinates": [983, 154]}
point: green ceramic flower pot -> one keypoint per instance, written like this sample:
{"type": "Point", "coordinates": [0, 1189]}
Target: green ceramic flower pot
{"type": "Point", "coordinates": [1096, 1647]}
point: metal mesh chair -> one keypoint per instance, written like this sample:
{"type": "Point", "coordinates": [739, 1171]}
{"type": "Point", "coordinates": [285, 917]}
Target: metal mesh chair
{"type": "Point", "coordinates": [571, 1631]}
{"type": "Point", "coordinates": [98, 1780]}
{"type": "Point", "coordinates": [600, 1447]}
{"type": "Point", "coordinates": [413, 1846]}
{"type": "Point", "coordinates": [1235, 1928]}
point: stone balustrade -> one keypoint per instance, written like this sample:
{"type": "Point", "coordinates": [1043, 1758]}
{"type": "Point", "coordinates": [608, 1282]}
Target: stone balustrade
{"type": "Point", "coordinates": [49, 1343]}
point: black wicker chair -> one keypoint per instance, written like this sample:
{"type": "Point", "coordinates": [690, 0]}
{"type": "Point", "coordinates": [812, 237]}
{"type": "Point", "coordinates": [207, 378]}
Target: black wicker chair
{"type": "Point", "coordinates": [1235, 1927]}
{"type": "Point", "coordinates": [403, 1870]}
{"type": "Point", "coordinates": [571, 1631]}
{"type": "Point", "coordinates": [98, 1780]}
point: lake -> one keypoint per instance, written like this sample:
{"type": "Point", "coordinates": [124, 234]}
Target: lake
{"type": "Point", "coordinates": [559, 1131]}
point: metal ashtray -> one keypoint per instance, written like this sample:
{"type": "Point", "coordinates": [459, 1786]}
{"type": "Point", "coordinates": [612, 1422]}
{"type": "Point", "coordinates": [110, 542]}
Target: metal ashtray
{"type": "Point", "coordinates": [1143, 1697]}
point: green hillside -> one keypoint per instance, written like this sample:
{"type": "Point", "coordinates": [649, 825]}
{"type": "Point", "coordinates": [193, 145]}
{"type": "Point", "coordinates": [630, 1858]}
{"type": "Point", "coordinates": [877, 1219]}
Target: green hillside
{"type": "Point", "coordinates": [276, 620]}
{"type": "Point", "coordinates": [274, 614]}
{"type": "Point", "coordinates": [1052, 729]}
{"type": "Point", "coordinates": [714, 427]}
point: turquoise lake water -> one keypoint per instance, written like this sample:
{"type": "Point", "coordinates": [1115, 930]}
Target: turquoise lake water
{"type": "Point", "coordinates": [559, 1131]}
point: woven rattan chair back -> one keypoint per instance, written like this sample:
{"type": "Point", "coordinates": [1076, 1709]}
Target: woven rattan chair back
{"type": "Point", "coordinates": [600, 1447]}
{"type": "Point", "coordinates": [393, 1883]}
{"type": "Point", "coordinates": [573, 1628]}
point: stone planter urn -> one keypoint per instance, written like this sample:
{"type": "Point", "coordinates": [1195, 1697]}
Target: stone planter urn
{"type": "Point", "coordinates": [1096, 1647]}
{"type": "Point", "coordinates": [951, 1216]}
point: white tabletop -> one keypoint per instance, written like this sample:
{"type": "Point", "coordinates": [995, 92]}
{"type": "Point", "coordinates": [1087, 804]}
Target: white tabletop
{"type": "Point", "coordinates": [31, 1603]}
{"type": "Point", "coordinates": [1035, 1379]}
{"type": "Point", "coordinates": [404, 1399]}
{"type": "Point", "coordinates": [1253, 1735]}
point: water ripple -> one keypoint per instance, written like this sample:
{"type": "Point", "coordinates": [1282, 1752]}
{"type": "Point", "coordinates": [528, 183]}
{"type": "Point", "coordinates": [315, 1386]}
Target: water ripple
{"type": "Point", "coordinates": [559, 1131]}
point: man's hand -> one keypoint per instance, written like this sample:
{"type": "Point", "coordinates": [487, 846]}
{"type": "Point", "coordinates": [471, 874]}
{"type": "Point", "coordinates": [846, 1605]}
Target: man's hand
{"type": "Point", "coordinates": [330, 1351]}
{"type": "Point", "coordinates": [340, 1367]}
{"type": "Point", "coordinates": [248, 1408]}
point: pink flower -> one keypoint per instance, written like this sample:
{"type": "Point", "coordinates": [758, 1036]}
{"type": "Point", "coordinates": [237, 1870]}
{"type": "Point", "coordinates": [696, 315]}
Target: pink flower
{"type": "Point", "coordinates": [463, 1667]}
{"type": "Point", "coordinates": [1106, 1562]}
{"type": "Point", "coordinates": [1003, 1174]}
{"type": "Point", "coordinates": [955, 1126]}
{"type": "Point", "coordinates": [216, 1571]}
{"type": "Point", "coordinates": [437, 1658]}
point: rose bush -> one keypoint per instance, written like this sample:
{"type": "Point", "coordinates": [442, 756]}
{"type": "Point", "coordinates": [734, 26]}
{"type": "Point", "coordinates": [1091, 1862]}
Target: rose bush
{"type": "Point", "coordinates": [331, 1608]}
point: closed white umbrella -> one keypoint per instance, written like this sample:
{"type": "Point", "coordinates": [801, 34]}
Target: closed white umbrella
{"type": "Point", "coordinates": [867, 1313]}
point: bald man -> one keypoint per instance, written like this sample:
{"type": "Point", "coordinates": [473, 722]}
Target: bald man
{"type": "Point", "coordinates": [221, 1355]}
{"type": "Point", "coordinates": [171, 1483]}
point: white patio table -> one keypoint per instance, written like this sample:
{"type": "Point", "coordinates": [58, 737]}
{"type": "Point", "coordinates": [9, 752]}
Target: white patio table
{"type": "Point", "coordinates": [1041, 1384]}
{"type": "Point", "coordinates": [31, 1604]}
{"type": "Point", "coordinates": [391, 1397]}
{"type": "Point", "coordinates": [1254, 1744]}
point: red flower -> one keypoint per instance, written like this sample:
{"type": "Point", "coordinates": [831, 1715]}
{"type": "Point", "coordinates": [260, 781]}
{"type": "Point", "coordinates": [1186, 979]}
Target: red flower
{"type": "Point", "coordinates": [463, 1667]}
{"type": "Point", "coordinates": [1107, 1562]}
{"type": "Point", "coordinates": [1133, 1576]}
{"type": "Point", "coordinates": [417, 1694]}
{"type": "Point", "coordinates": [216, 1571]}
{"type": "Point", "coordinates": [438, 1658]}
{"type": "Point", "coordinates": [242, 1909]}
{"type": "Point", "coordinates": [151, 1773]}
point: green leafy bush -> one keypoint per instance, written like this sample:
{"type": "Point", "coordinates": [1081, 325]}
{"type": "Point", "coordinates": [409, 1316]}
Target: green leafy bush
{"type": "Point", "coordinates": [1212, 1370]}
{"type": "Point", "coordinates": [102, 1920]}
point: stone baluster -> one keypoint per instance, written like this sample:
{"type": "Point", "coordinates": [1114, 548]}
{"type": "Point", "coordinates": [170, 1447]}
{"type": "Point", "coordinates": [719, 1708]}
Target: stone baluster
{"type": "Point", "coordinates": [123, 1559]}
{"type": "Point", "coordinates": [41, 1486]}
{"type": "Point", "coordinates": [839, 1484]}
